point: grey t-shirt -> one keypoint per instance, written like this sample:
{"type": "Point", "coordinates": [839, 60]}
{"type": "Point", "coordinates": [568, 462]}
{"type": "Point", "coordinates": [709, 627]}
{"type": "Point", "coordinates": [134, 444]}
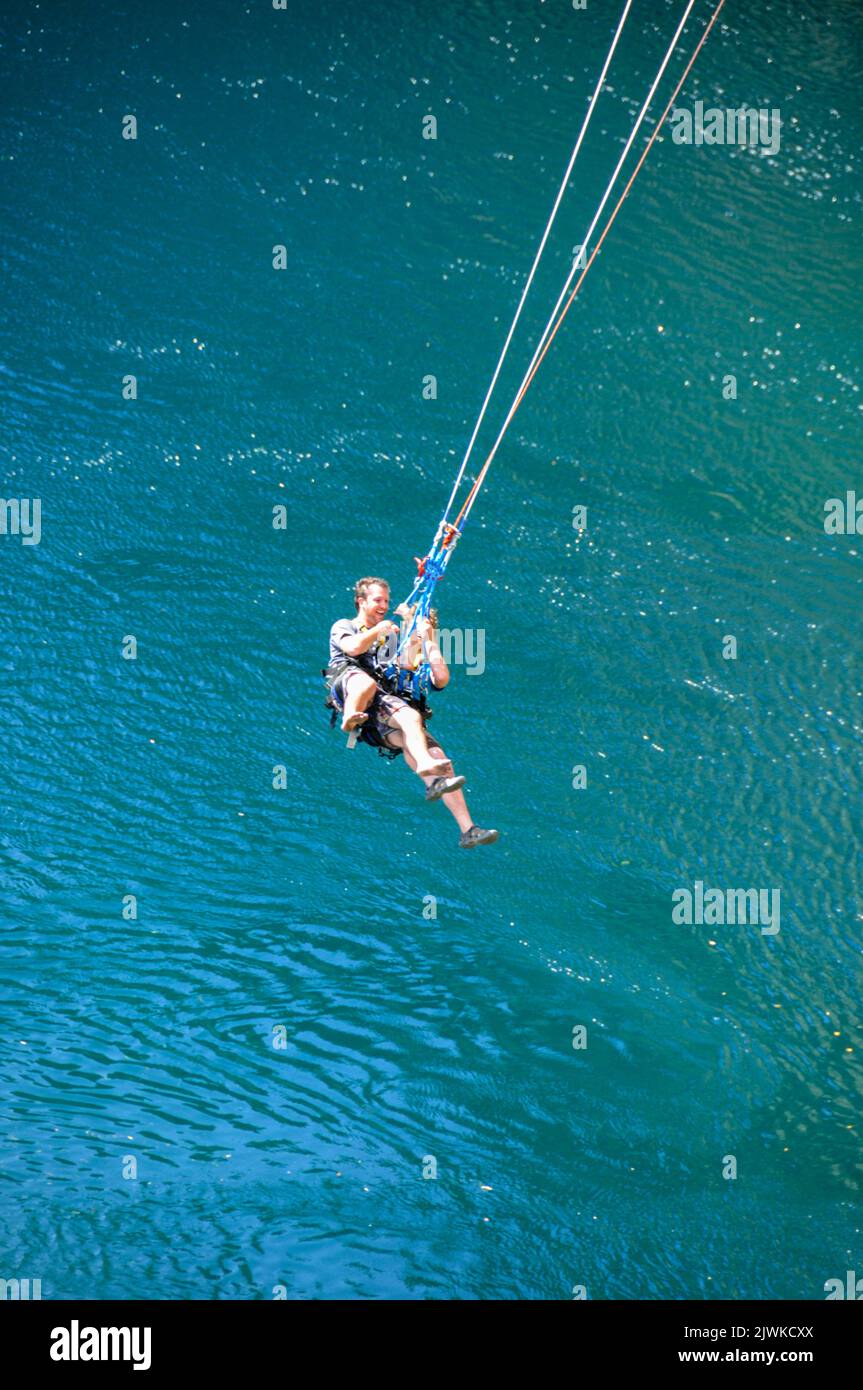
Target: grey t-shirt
{"type": "Point", "coordinates": [374, 660]}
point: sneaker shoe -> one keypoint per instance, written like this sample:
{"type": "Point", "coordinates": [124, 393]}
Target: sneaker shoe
{"type": "Point", "coordinates": [441, 785]}
{"type": "Point", "coordinates": [476, 836]}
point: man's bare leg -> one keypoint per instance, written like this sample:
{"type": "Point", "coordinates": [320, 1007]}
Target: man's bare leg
{"type": "Point", "coordinates": [359, 690]}
{"type": "Point", "coordinates": [453, 801]}
{"type": "Point", "coordinates": [410, 726]}
{"type": "Point", "coordinates": [471, 835]}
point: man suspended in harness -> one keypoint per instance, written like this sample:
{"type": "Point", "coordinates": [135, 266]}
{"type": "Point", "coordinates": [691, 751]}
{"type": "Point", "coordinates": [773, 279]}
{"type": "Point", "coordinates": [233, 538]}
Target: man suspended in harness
{"type": "Point", "coordinates": [390, 711]}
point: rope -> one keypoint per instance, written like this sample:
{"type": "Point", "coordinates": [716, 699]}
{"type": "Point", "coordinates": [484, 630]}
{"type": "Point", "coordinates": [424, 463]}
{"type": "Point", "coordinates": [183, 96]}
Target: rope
{"type": "Point", "coordinates": [552, 327]}
{"type": "Point", "coordinates": [431, 569]}
{"type": "Point", "coordinates": [537, 257]}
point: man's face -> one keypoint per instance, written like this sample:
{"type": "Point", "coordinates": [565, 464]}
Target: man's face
{"type": "Point", "coordinates": [374, 606]}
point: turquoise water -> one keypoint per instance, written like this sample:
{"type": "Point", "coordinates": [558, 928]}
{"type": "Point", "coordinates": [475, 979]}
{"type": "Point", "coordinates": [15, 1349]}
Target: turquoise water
{"type": "Point", "coordinates": [153, 1039]}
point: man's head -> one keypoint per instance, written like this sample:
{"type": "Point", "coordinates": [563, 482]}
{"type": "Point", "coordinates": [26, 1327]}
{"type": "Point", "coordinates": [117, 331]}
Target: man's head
{"type": "Point", "coordinates": [372, 599]}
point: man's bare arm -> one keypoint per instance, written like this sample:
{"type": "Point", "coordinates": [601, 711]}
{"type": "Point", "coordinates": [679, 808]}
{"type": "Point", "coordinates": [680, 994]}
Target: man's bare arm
{"type": "Point", "coordinates": [359, 643]}
{"type": "Point", "coordinates": [437, 665]}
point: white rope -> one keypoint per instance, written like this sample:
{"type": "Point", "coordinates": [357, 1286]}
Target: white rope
{"type": "Point", "coordinates": [605, 197]}
{"type": "Point", "coordinates": [538, 256]}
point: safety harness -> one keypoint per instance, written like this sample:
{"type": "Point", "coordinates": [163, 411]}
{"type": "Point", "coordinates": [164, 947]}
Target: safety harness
{"type": "Point", "coordinates": [412, 686]}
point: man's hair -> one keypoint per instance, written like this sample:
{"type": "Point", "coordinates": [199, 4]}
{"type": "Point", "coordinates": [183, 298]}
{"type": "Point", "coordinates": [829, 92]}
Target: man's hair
{"type": "Point", "coordinates": [362, 587]}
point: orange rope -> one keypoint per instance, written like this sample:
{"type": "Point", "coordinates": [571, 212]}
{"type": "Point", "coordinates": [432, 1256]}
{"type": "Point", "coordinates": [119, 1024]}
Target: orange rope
{"type": "Point", "coordinates": [481, 475]}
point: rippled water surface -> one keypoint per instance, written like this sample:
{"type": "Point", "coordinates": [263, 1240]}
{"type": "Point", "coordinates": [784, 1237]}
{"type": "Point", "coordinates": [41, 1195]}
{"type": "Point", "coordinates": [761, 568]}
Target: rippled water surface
{"type": "Point", "coordinates": [409, 1037]}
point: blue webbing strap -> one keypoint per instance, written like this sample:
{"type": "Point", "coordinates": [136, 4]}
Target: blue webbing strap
{"type": "Point", "coordinates": [420, 598]}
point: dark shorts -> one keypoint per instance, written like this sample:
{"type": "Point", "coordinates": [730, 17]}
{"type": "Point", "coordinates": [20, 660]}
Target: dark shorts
{"type": "Point", "coordinates": [378, 731]}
